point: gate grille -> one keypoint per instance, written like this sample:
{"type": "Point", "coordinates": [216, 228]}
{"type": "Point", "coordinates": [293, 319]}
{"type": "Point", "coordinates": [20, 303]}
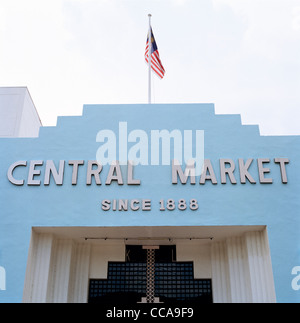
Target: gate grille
{"type": "Point", "coordinates": [127, 283]}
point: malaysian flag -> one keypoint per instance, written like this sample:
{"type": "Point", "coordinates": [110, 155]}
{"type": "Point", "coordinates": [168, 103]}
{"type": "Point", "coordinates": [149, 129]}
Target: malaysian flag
{"type": "Point", "coordinates": [156, 64]}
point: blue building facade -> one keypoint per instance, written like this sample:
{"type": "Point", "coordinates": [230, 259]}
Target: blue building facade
{"type": "Point", "coordinates": [170, 174]}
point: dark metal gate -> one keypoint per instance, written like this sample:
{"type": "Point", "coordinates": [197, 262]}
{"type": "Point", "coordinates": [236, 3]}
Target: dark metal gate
{"type": "Point", "coordinates": [127, 283]}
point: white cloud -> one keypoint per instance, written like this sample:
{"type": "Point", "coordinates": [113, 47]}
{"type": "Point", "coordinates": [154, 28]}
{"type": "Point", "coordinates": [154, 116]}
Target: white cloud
{"type": "Point", "coordinates": [268, 24]}
{"type": "Point", "coordinates": [180, 2]}
{"type": "Point", "coordinates": [296, 18]}
{"type": "Point", "coordinates": [2, 20]}
{"type": "Point", "coordinates": [266, 64]}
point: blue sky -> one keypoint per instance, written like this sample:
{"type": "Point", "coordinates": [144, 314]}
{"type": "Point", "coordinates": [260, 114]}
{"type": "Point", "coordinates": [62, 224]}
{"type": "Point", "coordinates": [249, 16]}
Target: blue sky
{"type": "Point", "coordinates": [242, 55]}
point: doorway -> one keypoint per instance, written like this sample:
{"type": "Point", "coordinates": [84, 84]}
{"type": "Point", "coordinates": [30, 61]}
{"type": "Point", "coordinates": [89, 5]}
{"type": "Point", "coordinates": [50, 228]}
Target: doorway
{"type": "Point", "coordinates": [129, 282]}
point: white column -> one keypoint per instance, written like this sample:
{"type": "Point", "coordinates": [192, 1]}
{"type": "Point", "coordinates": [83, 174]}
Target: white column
{"type": "Point", "coordinates": [78, 289]}
{"type": "Point", "coordinates": [242, 269]}
{"type": "Point", "coordinates": [238, 270]}
{"type": "Point", "coordinates": [57, 270]}
{"type": "Point", "coordinates": [220, 274]}
{"type": "Point", "coordinates": [60, 271]}
{"type": "Point", "coordinates": [259, 262]}
{"type": "Point", "coordinates": [38, 268]}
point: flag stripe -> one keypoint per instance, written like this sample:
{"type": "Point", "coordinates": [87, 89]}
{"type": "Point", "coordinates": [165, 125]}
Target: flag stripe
{"type": "Point", "coordinates": [156, 69]}
{"type": "Point", "coordinates": [158, 61]}
{"type": "Point", "coordinates": [156, 64]}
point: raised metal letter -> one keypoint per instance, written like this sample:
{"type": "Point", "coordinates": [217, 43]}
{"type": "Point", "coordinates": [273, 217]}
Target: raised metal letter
{"type": "Point", "coordinates": [75, 164]}
{"type": "Point", "coordinates": [93, 172]}
{"type": "Point", "coordinates": [33, 172]}
{"type": "Point", "coordinates": [58, 176]}
{"type": "Point", "coordinates": [211, 174]}
{"type": "Point", "coordinates": [282, 162]}
{"type": "Point", "coordinates": [262, 171]}
{"type": "Point", "coordinates": [244, 171]}
{"type": "Point", "coordinates": [228, 170]}
{"type": "Point", "coordinates": [11, 170]}
{"type": "Point", "coordinates": [188, 172]}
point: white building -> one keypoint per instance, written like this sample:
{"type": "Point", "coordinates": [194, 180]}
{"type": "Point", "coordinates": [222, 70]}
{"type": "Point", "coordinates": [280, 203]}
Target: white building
{"type": "Point", "coordinates": [18, 115]}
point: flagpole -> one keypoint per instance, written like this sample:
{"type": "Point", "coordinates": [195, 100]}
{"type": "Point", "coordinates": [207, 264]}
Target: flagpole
{"type": "Point", "coordinates": [149, 60]}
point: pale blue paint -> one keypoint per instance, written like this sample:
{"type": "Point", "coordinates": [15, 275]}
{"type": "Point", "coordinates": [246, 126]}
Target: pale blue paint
{"type": "Point", "coordinates": [74, 138]}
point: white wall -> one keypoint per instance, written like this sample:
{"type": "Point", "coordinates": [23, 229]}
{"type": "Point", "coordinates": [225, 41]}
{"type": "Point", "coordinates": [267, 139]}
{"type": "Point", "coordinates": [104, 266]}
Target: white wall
{"type": "Point", "coordinates": [18, 115]}
{"type": "Point", "coordinates": [102, 254]}
{"type": "Point", "coordinates": [197, 252]}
